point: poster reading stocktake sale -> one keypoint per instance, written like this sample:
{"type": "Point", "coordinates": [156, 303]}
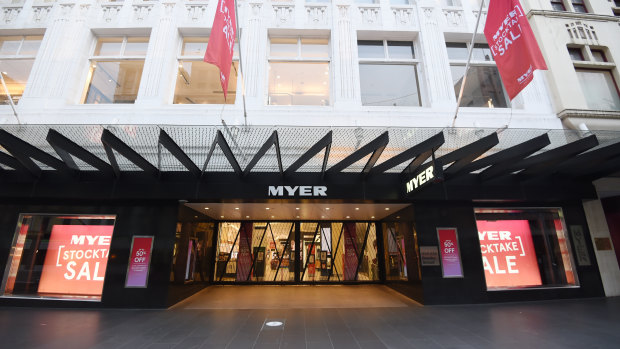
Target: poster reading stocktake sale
{"type": "Point", "coordinates": [76, 260]}
{"type": "Point", "coordinates": [508, 255]}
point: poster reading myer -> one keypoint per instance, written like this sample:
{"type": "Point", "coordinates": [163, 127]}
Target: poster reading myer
{"type": "Point", "coordinates": [508, 255]}
{"type": "Point", "coordinates": [76, 260]}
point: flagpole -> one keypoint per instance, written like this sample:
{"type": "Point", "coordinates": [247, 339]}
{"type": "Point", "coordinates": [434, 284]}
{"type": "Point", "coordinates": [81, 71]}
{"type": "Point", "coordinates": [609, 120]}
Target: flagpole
{"type": "Point", "coordinates": [245, 114]}
{"type": "Point", "coordinates": [9, 97]}
{"type": "Point", "coordinates": [471, 50]}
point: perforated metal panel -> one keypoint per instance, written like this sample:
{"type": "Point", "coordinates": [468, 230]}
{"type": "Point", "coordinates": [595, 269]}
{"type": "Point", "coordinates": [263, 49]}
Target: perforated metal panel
{"type": "Point", "coordinates": [244, 143]}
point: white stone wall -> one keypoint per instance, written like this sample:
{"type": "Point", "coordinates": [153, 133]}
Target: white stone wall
{"type": "Point", "coordinates": [553, 32]}
{"type": "Point", "coordinates": [59, 76]}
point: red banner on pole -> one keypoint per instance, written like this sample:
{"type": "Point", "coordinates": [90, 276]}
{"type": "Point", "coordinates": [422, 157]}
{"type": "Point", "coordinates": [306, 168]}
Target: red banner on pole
{"type": "Point", "coordinates": [512, 44]}
{"type": "Point", "coordinates": [222, 40]}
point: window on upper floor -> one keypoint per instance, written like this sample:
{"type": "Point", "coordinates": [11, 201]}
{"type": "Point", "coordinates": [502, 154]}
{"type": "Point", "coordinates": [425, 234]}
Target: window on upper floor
{"type": "Point", "coordinates": [388, 73]}
{"type": "Point", "coordinates": [596, 78]}
{"type": "Point", "coordinates": [569, 5]}
{"type": "Point", "coordinates": [17, 54]}
{"type": "Point", "coordinates": [198, 82]}
{"type": "Point", "coordinates": [483, 87]}
{"type": "Point", "coordinates": [299, 71]}
{"type": "Point", "coordinates": [115, 70]}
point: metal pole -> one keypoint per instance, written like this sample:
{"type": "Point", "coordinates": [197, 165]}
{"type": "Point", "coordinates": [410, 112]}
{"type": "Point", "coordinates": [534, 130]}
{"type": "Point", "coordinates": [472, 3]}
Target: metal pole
{"type": "Point", "coordinates": [471, 49]}
{"type": "Point", "coordinates": [8, 94]}
{"type": "Point", "coordinates": [245, 114]}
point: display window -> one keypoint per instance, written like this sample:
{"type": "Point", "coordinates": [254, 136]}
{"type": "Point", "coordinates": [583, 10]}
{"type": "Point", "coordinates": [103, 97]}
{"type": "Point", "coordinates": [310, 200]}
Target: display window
{"type": "Point", "coordinates": [59, 256]}
{"type": "Point", "coordinates": [524, 248]}
{"type": "Point", "coordinates": [395, 261]}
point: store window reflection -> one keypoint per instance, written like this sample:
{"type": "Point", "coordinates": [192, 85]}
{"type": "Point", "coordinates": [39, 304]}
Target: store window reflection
{"type": "Point", "coordinates": [61, 257]}
{"type": "Point", "coordinates": [193, 254]}
{"type": "Point", "coordinates": [395, 255]}
{"type": "Point", "coordinates": [524, 248]}
{"type": "Point", "coordinates": [17, 54]}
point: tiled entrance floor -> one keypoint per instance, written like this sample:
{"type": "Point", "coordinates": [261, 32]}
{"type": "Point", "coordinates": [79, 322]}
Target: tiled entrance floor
{"type": "Point", "coordinates": [296, 297]}
{"type": "Point", "coordinates": [589, 323]}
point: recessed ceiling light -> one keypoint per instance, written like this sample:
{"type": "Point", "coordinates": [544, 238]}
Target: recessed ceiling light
{"type": "Point", "coordinates": [266, 208]}
{"type": "Point", "coordinates": [348, 216]}
{"type": "Point", "coordinates": [357, 209]}
{"type": "Point", "coordinates": [297, 208]}
{"type": "Point", "coordinates": [274, 323]}
{"type": "Point", "coordinates": [272, 216]}
{"type": "Point", "coordinates": [195, 216]}
{"type": "Point", "coordinates": [322, 216]}
{"type": "Point", "coordinates": [327, 208]}
{"type": "Point", "coordinates": [221, 216]}
{"type": "Point", "coordinates": [372, 217]}
{"type": "Point", "coordinates": [387, 208]}
{"type": "Point", "coordinates": [297, 216]}
{"type": "Point", "coordinates": [236, 208]}
{"type": "Point", "coordinates": [397, 217]}
{"type": "Point", "coordinates": [206, 208]}
{"type": "Point", "coordinates": [247, 216]}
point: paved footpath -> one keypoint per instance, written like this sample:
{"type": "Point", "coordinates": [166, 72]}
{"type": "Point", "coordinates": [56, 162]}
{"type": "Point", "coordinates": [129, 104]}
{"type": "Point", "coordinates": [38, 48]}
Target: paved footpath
{"type": "Point", "coordinates": [590, 323]}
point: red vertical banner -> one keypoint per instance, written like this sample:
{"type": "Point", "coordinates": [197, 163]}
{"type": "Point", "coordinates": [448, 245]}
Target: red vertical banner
{"type": "Point", "coordinates": [222, 40]}
{"type": "Point", "coordinates": [512, 44]}
{"type": "Point", "coordinates": [244, 257]}
{"type": "Point", "coordinates": [508, 255]}
{"type": "Point", "coordinates": [139, 261]}
{"type": "Point", "coordinates": [449, 250]}
{"type": "Point", "coordinates": [350, 255]}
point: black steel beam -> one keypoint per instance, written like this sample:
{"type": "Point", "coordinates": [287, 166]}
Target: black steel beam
{"type": "Point", "coordinates": [25, 152]}
{"type": "Point", "coordinates": [501, 162]}
{"type": "Point", "coordinates": [374, 147]}
{"type": "Point", "coordinates": [12, 162]}
{"type": "Point", "coordinates": [324, 142]}
{"type": "Point", "coordinates": [272, 140]}
{"type": "Point", "coordinates": [426, 146]}
{"type": "Point", "coordinates": [221, 141]}
{"type": "Point", "coordinates": [111, 143]}
{"type": "Point", "coordinates": [590, 163]}
{"type": "Point", "coordinates": [465, 155]}
{"type": "Point", "coordinates": [548, 161]}
{"type": "Point", "coordinates": [167, 142]}
{"type": "Point", "coordinates": [65, 148]}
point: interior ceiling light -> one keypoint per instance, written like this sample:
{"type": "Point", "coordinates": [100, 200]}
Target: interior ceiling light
{"type": "Point", "coordinates": [372, 217]}
{"type": "Point", "coordinates": [297, 216]}
{"type": "Point", "coordinates": [222, 216]}
{"type": "Point", "coordinates": [274, 323]}
{"type": "Point", "coordinates": [236, 208]}
{"type": "Point", "coordinates": [297, 208]}
{"type": "Point", "coordinates": [206, 208]}
{"type": "Point", "coordinates": [357, 209]}
{"type": "Point", "coordinates": [397, 217]}
{"type": "Point", "coordinates": [247, 216]}
{"type": "Point", "coordinates": [327, 208]}
{"type": "Point", "coordinates": [266, 208]}
{"type": "Point", "coordinates": [348, 216]}
{"type": "Point", "coordinates": [387, 208]}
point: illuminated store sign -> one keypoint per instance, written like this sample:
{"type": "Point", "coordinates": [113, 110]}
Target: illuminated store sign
{"type": "Point", "coordinates": [302, 190]}
{"type": "Point", "coordinates": [431, 174]}
{"type": "Point", "coordinates": [76, 260]}
{"type": "Point", "coordinates": [508, 255]}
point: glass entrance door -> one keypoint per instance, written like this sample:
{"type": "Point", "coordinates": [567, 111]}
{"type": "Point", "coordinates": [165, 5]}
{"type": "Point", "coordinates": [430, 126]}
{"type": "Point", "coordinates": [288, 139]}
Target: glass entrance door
{"type": "Point", "coordinates": [265, 252]}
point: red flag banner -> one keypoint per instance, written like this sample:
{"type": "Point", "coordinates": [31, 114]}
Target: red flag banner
{"type": "Point", "coordinates": [512, 44]}
{"type": "Point", "coordinates": [222, 40]}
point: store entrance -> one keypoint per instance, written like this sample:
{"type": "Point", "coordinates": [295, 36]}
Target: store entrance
{"type": "Point", "coordinates": [296, 251]}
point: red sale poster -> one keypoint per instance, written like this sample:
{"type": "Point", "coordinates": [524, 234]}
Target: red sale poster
{"type": "Point", "coordinates": [139, 261]}
{"type": "Point", "coordinates": [450, 255]}
{"type": "Point", "coordinates": [508, 254]}
{"type": "Point", "coordinates": [76, 260]}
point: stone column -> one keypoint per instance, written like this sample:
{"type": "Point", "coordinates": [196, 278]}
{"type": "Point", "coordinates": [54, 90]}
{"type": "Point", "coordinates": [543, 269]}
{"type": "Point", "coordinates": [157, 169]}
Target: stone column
{"type": "Point", "coordinates": [157, 82]}
{"type": "Point", "coordinates": [343, 62]}
{"type": "Point", "coordinates": [62, 56]}
{"type": "Point", "coordinates": [435, 63]}
{"type": "Point", "coordinates": [253, 52]}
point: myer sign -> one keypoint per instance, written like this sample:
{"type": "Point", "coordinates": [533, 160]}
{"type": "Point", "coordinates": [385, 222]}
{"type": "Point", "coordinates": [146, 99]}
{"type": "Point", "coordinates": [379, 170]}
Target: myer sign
{"type": "Point", "coordinates": [301, 190]}
{"type": "Point", "coordinates": [423, 177]}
